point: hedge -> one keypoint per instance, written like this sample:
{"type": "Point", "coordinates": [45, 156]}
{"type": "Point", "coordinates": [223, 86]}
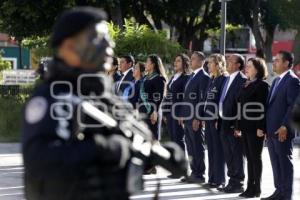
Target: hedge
{"type": "Point", "coordinates": [12, 99]}
{"type": "Point", "coordinates": [140, 41]}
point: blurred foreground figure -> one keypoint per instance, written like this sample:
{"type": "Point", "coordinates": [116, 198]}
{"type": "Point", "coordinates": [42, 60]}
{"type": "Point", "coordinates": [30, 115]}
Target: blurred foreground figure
{"type": "Point", "coordinates": [71, 148]}
{"type": "Point", "coordinates": [60, 162]}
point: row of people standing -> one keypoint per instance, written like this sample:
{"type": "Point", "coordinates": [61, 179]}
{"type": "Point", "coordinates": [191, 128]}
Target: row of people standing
{"type": "Point", "coordinates": [239, 112]}
{"type": "Point", "coordinates": [231, 111]}
{"type": "Point", "coordinates": [142, 85]}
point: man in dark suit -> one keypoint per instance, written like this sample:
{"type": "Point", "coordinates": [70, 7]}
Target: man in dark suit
{"type": "Point", "coordinates": [228, 111]}
{"type": "Point", "coordinates": [194, 94]}
{"type": "Point", "coordinates": [284, 91]}
{"type": "Point", "coordinates": [126, 64]}
{"type": "Point", "coordinates": [132, 92]}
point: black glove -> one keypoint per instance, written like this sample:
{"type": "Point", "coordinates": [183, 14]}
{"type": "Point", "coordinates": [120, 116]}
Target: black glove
{"type": "Point", "coordinates": [175, 162]}
{"type": "Point", "coordinates": [114, 149]}
{"type": "Point", "coordinates": [177, 158]}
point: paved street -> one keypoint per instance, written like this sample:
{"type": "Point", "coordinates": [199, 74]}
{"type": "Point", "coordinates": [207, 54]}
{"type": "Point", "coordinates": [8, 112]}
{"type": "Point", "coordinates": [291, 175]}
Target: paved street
{"type": "Point", "coordinates": [11, 185]}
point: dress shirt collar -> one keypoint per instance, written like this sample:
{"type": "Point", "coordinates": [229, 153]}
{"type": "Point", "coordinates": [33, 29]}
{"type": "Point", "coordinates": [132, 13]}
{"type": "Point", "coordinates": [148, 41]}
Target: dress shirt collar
{"type": "Point", "coordinates": [197, 71]}
{"type": "Point", "coordinates": [283, 74]}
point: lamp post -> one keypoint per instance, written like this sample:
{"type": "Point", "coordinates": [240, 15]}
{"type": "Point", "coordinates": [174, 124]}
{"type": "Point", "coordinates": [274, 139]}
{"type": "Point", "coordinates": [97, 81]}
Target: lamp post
{"type": "Point", "coordinates": [223, 26]}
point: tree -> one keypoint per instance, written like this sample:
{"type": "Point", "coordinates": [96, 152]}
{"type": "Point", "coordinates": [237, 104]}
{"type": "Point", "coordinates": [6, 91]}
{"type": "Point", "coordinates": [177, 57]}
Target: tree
{"type": "Point", "coordinates": [263, 17]}
{"type": "Point", "coordinates": [296, 48]}
{"type": "Point", "coordinates": [28, 18]}
{"type": "Point", "coordinates": [190, 19]}
{"type": "Point", "coordinates": [289, 14]}
{"type": "Point", "coordinates": [39, 48]}
{"type": "Point", "coordinates": [140, 41]}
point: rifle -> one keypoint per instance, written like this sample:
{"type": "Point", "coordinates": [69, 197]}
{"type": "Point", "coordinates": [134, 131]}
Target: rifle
{"type": "Point", "coordinates": [120, 117]}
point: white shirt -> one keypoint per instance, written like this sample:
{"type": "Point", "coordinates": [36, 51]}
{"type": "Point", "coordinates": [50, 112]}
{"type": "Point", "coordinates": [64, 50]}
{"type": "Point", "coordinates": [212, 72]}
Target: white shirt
{"type": "Point", "coordinates": [176, 76]}
{"type": "Point", "coordinates": [231, 78]}
{"type": "Point", "coordinates": [124, 74]}
{"type": "Point", "coordinates": [282, 75]}
{"type": "Point", "coordinates": [197, 71]}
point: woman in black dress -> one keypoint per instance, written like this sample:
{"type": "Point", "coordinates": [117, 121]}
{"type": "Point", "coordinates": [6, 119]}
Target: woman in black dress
{"type": "Point", "coordinates": [175, 94]}
{"type": "Point", "coordinates": [152, 90]}
{"type": "Point", "coordinates": [252, 125]}
{"type": "Point", "coordinates": [216, 162]}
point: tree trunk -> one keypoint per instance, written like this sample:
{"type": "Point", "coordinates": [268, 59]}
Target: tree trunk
{"type": "Point", "coordinates": [183, 39]}
{"type": "Point", "coordinates": [140, 17]}
{"type": "Point", "coordinates": [255, 26]}
{"type": "Point", "coordinates": [116, 14]}
{"type": "Point", "coordinates": [296, 48]}
{"type": "Point", "coordinates": [268, 44]}
{"type": "Point", "coordinates": [198, 43]}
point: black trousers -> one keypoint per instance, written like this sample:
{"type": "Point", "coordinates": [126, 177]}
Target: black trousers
{"type": "Point", "coordinates": [176, 131]}
{"type": "Point", "coordinates": [233, 152]}
{"type": "Point", "coordinates": [195, 148]}
{"type": "Point", "coordinates": [153, 127]}
{"type": "Point", "coordinates": [282, 165]}
{"type": "Point", "coordinates": [216, 162]}
{"type": "Point", "coordinates": [253, 147]}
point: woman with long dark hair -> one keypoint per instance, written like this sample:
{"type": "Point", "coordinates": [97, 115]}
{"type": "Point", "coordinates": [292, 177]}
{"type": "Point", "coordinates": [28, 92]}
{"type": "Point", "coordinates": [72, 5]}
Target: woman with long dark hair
{"type": "Point", "coordinates": [175, 93]}
{"type": "Point", "coordinates": [152, 90]}
{"type": "Point", "coordinates": [252, 125]}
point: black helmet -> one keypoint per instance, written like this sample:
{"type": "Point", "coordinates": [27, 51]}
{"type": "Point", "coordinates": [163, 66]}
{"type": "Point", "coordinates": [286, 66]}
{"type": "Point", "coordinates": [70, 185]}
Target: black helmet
{"type": "Point", "coordinates": [96, 47]}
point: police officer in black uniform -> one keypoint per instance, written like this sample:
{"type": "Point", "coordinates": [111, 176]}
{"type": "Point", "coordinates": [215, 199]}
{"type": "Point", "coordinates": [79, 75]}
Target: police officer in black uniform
{"type": "Point", "coordinates": [63, 161]}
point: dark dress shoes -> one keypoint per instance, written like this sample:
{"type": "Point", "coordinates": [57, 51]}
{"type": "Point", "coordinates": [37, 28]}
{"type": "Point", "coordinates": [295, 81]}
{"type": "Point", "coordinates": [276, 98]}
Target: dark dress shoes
{"type": "Point", "coordinates": [213, 185]}
{"type": "Point", "coordinates": [193, 179]}
{"type": "Point", "coordinates": [274, 196]}
{"type": "Point", "coordinates": [233, 189]}
{"type": "Point", "coordinates": [173, 176]}
{"type": "Point", "coordinates": [250, 192]}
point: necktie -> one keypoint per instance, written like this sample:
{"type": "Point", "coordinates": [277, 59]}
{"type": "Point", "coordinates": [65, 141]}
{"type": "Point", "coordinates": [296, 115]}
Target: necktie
{"type": "Point", "coordinates": [119, 83]}
{"type": "Point", "coordinates": [128, 92]}
{"type": "Point", "coordinates": [188, 82]}
{"type": "Point", "coordinates": [172, 81]}
{"type": "Point", "coordinates": [224, 90]}
{"type": "Point", "coordinates": [223, 95]}
{"type": "Point", "coordinates": [277, 81]}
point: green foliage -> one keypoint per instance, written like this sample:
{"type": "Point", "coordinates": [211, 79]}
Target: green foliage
{"type": "Point", "coordinates": [140, 41]}
{"type": "Point", "coordinates": [284, 13]}
{"type": "Point", "coordinates": [39, 47]}
{"type": "Point", "coordinates": [4, 64]}
{"type": "Point", "coordinates": [10, 119]}
{"type": "Point", "coordinates": [187, 19]}
{"type": "Point", "coordinates": [28, 18]}
{"type": "Point", "coordinates": [11, 104]}
{"type": "Point", "coordinates": [190, 18]}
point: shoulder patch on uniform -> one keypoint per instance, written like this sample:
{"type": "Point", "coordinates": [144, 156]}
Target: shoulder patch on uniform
{"type": "Point", "coordinates": [35, 110]}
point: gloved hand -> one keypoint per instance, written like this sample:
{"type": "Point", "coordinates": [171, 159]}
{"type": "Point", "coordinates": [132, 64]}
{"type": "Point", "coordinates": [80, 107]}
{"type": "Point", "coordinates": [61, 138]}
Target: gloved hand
{"type": "Point", "coordinates": [178, 160]}
{"type": "Point", "coordinates": [171, 157]}
{"type": "Point", "coordinates": [114, 149]}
